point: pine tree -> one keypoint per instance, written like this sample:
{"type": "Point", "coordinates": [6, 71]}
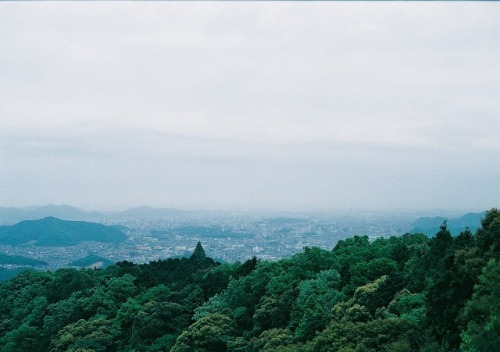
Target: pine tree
{"type": "Point", "coordinates": [199, 253]}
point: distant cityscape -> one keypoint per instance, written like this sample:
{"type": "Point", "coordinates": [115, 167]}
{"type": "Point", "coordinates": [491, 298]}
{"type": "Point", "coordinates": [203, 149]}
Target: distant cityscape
{"type": "Point", "coordinates": [226, 237]}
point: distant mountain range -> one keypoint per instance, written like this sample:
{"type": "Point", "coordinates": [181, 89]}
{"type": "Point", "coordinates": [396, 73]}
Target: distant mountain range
{"type": "Point", "coordinates": [51, 231]}
{"type": "Point", "coordinates": [430, 226]}
{"type": "Point", "coordinates": [146, 212]}
{"type": "Point", "coordinates": [427, 225]}
{"type": "Point", "coordinates": [68, 212]}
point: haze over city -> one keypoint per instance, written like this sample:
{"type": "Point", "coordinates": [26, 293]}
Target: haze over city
{"type": "Point", "coordinates": [269, 106]}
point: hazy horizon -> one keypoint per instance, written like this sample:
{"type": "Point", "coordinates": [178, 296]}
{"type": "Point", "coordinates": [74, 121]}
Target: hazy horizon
{"type": "Point", "coordinates": [250, 105]}
{"type": "Point", "coordinates": [361, 212]}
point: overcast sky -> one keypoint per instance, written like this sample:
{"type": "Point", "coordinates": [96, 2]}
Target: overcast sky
{"type": "Point", "coordinates": [281, 105]}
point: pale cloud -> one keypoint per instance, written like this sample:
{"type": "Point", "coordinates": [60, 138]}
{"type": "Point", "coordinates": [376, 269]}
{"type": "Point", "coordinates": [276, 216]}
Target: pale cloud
{"type": "Point", "coordinates": [250, 104]}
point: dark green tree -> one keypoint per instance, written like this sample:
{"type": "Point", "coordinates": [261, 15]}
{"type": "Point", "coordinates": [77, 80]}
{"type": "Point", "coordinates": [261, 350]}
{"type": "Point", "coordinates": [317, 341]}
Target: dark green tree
{"type": "Point", "coordinates": [209, 334]}
{"type": "Point", "coordinates": [199, 253]}
{"type": "Point", "coordinates": [312, 309]}
{"type": "Point", "coordinates": [488, 235]}
{"type": "Point", "coordinates": [85, 335]}
{"type": "Point", "coordinates": [482, 312]}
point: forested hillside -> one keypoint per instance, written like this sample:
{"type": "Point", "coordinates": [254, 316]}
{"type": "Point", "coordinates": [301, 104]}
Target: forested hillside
{"type": "Point", "coordinates": [408, 293]}
{"type": "Point", "coordinates": [51, 231]}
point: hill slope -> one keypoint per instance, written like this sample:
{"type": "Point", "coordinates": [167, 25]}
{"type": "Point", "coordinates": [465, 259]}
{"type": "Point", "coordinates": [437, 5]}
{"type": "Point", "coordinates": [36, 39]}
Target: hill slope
{"type": "Point", "coordinates": [145, 212]}
{"type": "Point", "coordinates": [430, 226]}
{"type": "Point", "coordinates": [91, 261]}
{"type": "Point", "coordinates": [18, 260]}
{"type": "Point", "coordinates": [56, 232]}
{"type": "Point", "coordinates": [66, 212]}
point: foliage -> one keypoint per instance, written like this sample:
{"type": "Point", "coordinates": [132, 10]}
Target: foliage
{"type": "Point", "coordinates": [210, 333]}
{"type": "Point", "coordinates": [482, 312]}
{"type": "Point", "coordinates": [407, 293]}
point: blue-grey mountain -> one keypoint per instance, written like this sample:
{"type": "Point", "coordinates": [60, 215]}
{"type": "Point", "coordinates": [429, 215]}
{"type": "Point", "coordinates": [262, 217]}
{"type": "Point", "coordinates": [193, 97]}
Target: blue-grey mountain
{"type": "Point", "coordinates": [430, 226]}
{"type": "Point", "coordinates": [66, 212]}
{"type": "Point", "coordinates": [51, 231]}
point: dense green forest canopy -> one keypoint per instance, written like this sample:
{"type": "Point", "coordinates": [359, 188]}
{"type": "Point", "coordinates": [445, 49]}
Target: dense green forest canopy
{"type": "Point", "coordinates": [407, 293]}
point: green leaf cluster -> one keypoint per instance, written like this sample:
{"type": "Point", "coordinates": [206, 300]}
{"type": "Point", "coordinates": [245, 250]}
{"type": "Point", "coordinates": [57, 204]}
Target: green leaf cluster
{"type": "Point", "coordinates": [406, 293]}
